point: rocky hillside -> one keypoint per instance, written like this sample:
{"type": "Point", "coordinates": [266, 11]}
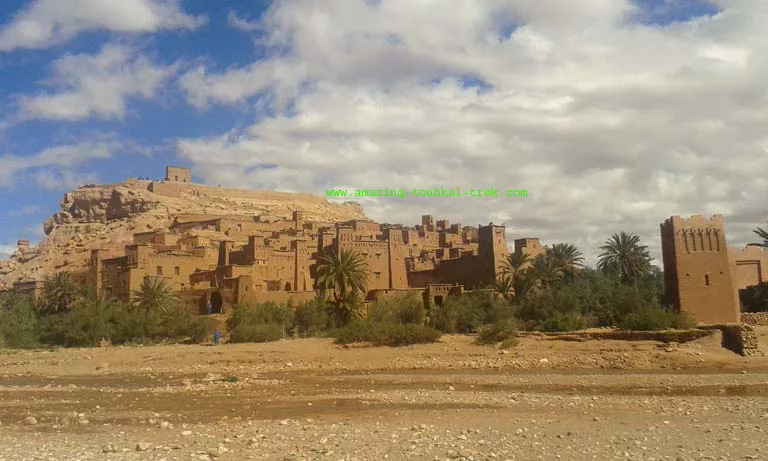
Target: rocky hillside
{"type": "Point", "coordinates": [107, 216]}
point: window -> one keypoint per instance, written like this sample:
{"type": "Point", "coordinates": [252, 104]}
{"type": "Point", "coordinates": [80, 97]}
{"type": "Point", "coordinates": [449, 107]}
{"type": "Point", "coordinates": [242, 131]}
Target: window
{"type": "Point", "coordinates": [177, 270]}
{"type": "Point", "coordinates": [377, 275]}
{"type": "Point", "coordinates": [706, 279]}
{"type": "Point", "coordinates": [159, 271]}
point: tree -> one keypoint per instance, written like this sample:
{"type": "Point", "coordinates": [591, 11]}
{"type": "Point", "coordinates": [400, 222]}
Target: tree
{"type": "Point", "coordinates": [514, 263]}
{"type": "Point", "coordinates": [546, 270]}
{"type": "Point", "coordinates": [154, 294]}
{"type": "Point", "coordinates": [504, 286]}
{"type": "Point", "coordinates": [624, 256]}
{"type": "Point", "coordinates": [18, 321]}
{"type": "Point", "coordinates": [567, 257]}
{"type": "Point", "coordinates": [524, 283]}
{"type": "Point", "coordinates": [763, 234]}
{"type": "Point", "coordinates": [343, 277]}
{"type": "Point", "coordinates": [60, 292]}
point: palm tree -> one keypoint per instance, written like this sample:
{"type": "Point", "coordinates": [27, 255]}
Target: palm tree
{"type": "Point", "coordinates": [343, 276]}
{"type": "Point", "coordinates": [524, 283]}
{"type": "Point", "coordinates": [60, 293]}
{"type": "Point", "coordinates": [763, 234]}
{"type": "Point", "coordinates": [100, 319]}
{"type": "Point", "coordinates": [546, 270]}
{"type": "Point", "coordinates": [567, 257]}
{"type": "Point", "coordinates": [154, 294]}
{"type": "Point", "coordinates": [624, 256]}
{"type": "Point", "coordinates": [514, 262]}
{"type": "Point", "coordinates": [504, 286]}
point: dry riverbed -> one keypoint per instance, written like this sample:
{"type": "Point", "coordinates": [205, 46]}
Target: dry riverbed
{"type": "Point", "coordinates": [310, 399]}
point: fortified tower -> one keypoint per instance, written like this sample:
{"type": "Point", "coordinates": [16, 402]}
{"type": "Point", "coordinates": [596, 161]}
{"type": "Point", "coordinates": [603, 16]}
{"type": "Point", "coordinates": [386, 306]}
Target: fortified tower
{"type": "Point", "coordinates": [178, 174]}
{"type": "Point", "coordinates": [492, 251]}
{"type": "Point", "coordinates": [697, 274]}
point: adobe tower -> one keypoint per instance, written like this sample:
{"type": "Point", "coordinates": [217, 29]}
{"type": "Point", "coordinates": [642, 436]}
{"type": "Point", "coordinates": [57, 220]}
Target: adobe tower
{"type": "Point", "coordinates": [697, 274]}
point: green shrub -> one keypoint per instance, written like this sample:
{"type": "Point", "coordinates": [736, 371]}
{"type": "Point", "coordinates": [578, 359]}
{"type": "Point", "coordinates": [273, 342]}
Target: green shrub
{"type": "Point", "coordinates": [18, 322]}
{"type": "Point", "coordinates": [563, 322]}
{"type": "Point", "coordinates": [312, 318]}
{"type": "Point", "coordinates": [684, 321]}
{"type": "Point", "coordinates": [260, 323]}
{"type": "Point", "coordinates": [509, 343]}
{"type": "Point", "coordinates": [402, 309]}
{"type": "Point", "coordinates": [468, 312]}
{"type": "Point", "coordinates": [178, 323]}
{"type": "Point", "coordinates": [654, 319]}
{"type": "Point", "coordinates": [256, 333]}
{"type": "Point", "coordinates": [385, 334]}
{"type": "Point", "coordinates": [754, 298]}
{"type": "Point", "coordinates": [497, 332]}
{"type": "Point", "coordinates": [85, 323]}
{"type": "Point", "coordinates": [97, 317]}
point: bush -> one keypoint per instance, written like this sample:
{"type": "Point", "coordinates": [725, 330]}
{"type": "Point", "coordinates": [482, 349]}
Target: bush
{"type": "Point", "coordinates": [18, 322]}
{"type": "Point", "coordinates": [94, 318]}
{"type": "Point", "coordinates": [754, 298]}
{"type": "Point", "coordinates": [497, 332]}
{"type": "Point", "coordinates": [509, 343]}
{"type": "Point", "coordinates": [260, 323]}
{"type": "Point", "coordinates": [385, 334]}
{"type": "Point", "coordinates": [312, 318]}
{"type": "Point", "coordinates": [563, 322]}
{"type": "Point", "coordinates": [179, 323]}
{"type": "Point", "coordinates": [256, 333]}
{"type": "Point", "coordinates": [467, 313]}
{"type": "Point", "coordinates": [654, 319]}
{"type": "Point", "coordinates": [407, 309]}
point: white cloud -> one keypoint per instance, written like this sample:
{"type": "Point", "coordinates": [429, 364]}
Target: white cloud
{"type": "Point", "coordinates": [52, 22]}
{"type": "Point", "coordinates": [96, 85]}
{"type": "Point", "coordinates": [56, 167]}
{"type": "Point", "coordinates": [25, 211]}
{"type": "Point", "coordinates": [235, 86]}
{"type": "Point", "coordinates": [610, 125]}
{"type": "Point", "coordinates": [6, 251]}
{"type": "Point", "coordinates": [64, 179]}
{"type": "Point", "coordinates": [242, 24]}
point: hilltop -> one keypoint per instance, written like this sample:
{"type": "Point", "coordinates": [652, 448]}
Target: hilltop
{"type": "Point", "coordinates": [107, 216]}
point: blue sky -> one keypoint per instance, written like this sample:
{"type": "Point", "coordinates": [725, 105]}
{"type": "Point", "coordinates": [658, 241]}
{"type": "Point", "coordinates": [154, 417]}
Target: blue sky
{"type": "Point", "coordinates": [303, 96]}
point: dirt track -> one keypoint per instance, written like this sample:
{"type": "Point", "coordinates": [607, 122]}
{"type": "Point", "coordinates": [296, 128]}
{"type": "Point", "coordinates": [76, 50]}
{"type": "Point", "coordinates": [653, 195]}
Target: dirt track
{"type": "Point", "coordinates": [310, 399]}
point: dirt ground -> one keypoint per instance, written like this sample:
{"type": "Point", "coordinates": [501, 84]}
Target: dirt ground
{"type": "Point", "coordinates": [310, 399]}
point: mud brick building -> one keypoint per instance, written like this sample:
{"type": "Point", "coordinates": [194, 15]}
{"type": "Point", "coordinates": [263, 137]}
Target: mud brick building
{"type": "Point", "coordinates": [702, 275]}
{"type": "Point", "coordinates": [226, 259]}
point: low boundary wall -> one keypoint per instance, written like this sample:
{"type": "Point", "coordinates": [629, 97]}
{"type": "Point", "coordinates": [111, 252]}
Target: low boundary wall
{"type": "Point", "coordinates": [755, 318]}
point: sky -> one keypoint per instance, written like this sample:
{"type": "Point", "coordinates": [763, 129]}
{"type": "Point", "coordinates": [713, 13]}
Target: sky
{"type": "Point", "coordinates": [612, 114]}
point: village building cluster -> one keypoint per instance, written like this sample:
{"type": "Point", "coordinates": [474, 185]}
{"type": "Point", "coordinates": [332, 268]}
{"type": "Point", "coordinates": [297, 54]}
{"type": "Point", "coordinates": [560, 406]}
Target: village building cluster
{"type": "Point", "coordinates": [224, 260]}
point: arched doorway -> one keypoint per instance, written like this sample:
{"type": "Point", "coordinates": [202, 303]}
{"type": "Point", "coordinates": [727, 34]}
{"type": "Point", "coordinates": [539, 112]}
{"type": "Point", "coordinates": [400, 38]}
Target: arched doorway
{"type": "Point", "coordinates": [216, 303]}
{"type": "Point", "coordinates": [287, 286]}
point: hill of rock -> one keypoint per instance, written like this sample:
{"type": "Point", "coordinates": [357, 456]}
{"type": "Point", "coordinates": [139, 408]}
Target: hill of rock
{"type": "Point", "coordinates": [107, 216]}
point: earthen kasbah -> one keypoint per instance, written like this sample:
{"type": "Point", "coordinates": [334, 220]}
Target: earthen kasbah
{"type": "Point", "coordinates": [702, 274]}
{"type": "Point", "coordinates": [223, 247]}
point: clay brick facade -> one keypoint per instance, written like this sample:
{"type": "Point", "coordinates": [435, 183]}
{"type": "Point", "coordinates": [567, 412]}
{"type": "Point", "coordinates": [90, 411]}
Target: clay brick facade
{"type": "Point", "coordinates": [230, 259]}
{"type": "Point", "coordinates": [177, 174]}
{"type": "Point", "coordinates": [227, 260]}
{"type": "Point", "coordinates": [702, 275]}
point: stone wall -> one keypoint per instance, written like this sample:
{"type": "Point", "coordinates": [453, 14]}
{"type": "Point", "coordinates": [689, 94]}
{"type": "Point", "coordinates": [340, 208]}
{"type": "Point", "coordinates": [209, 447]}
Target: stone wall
{"type": "Point", "coordinates": [756, 318]}
{"type": "Point", "coordinates": [740, 339]}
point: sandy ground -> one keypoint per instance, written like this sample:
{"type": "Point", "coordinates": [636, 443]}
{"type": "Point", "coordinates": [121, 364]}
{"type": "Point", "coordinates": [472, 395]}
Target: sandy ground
{"type": "Point", "coordinates": [310, 399]}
